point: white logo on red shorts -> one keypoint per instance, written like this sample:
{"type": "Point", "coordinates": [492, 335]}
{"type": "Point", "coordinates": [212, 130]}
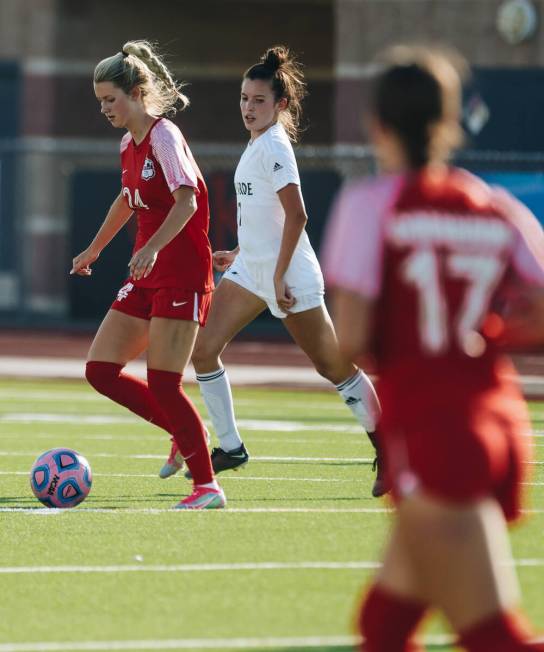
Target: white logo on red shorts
{"type": "Point", "coordinates": [123, 292]}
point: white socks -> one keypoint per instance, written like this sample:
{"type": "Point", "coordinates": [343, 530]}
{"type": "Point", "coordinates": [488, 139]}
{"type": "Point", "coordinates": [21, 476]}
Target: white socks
{"type": "Point", "coordinates": [360, 396]}
{"type": "Point", "coordinates": [357, 392]}
{"type": "Point", "coordinates": [211, 485]}
{"type": "Point", "coordinates": [215, 390]}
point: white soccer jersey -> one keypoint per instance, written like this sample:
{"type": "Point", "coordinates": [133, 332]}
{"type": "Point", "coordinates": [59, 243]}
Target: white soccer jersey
{"type": "Point", "coordinates": [267, 165]}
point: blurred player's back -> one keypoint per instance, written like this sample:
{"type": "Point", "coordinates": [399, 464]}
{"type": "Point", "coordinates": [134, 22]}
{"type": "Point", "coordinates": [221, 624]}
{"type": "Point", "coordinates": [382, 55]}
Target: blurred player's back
{"type": "Point", "coordinates": [448, 250]}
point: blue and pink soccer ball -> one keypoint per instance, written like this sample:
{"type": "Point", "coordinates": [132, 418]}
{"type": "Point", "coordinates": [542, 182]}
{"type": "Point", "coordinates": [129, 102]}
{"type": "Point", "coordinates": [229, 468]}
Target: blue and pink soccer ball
{"type": "Point", "coordinates": [61, 478]}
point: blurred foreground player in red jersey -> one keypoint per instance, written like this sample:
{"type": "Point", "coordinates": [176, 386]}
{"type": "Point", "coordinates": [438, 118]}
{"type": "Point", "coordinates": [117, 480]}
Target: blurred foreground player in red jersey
{"type": "Point", "coordinates": [168, 292]}
{"type": "Point", "coordinates": [421, 258]}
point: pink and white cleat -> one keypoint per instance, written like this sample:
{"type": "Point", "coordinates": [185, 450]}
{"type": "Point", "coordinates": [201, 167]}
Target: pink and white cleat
{"type": "Point", "coordinates": [175, 460]}
{"type": "Point", "coordinates": [203, 498]}
{"type": "Point", "coordinates": [173, 464]}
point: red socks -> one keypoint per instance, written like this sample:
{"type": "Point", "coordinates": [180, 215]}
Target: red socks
{"type": "Point", "coordinates": [387, 621]}
{"type": "Point", "coordinates": [187, 427]}
{"type": "Point", "coordinates": [161, 401]}
{"type": "Point", "coordinates": [129, 391]}
{"type": "Point", "coordinates": [502, 632]}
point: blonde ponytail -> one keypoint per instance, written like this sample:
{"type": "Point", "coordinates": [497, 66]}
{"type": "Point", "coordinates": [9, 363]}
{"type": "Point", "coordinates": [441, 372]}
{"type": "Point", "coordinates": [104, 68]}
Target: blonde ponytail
{"type": "Point", "coordinates": [138, 64]}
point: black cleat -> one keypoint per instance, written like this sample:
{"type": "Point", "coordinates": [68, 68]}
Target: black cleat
{"type": "Point", "coordinates": [226, 460]}
{"type": "Point", "coordinates": [381, 485]}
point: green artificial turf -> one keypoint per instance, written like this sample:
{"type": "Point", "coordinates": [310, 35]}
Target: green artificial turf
{"type": "Point", "coordinates": [307, 508]}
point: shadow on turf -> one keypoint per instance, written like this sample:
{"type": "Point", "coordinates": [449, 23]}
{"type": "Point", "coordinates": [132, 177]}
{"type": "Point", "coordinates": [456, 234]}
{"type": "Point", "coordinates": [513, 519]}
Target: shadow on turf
{"type": "Point", "coordinates": [113, 503]}
{"type": "Point", "coordinates": [17, 499]}
{"type": "Point", "coordinates": [315, 462]}
{"type": "Point", "coordinates": [122, 501]}
{"type": "Point", "coordinates": [267, 499]}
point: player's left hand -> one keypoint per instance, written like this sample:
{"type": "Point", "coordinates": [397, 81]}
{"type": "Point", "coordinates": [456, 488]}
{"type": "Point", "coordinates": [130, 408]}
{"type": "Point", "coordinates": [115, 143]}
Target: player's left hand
{"type": "Point", "coordinates": [142, 262]}
{"type": "Point", "coordinates": [284, 298]}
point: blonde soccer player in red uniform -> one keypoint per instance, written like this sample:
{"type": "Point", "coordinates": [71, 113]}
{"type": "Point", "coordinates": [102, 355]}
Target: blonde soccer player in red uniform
{"type": "Point", "coordinates": [420, 258]}
{"type": "Point", "coordinates": [274, 265]}
{"type": "Point", "coordinates": [167, 295]}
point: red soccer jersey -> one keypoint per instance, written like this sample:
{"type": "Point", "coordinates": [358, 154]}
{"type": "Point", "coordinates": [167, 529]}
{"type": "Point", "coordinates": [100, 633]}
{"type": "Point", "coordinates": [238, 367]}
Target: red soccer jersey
{"type": "Point", "coordinates": [435, 254]}
{"type": "Point", "coordinates": [151, 172]}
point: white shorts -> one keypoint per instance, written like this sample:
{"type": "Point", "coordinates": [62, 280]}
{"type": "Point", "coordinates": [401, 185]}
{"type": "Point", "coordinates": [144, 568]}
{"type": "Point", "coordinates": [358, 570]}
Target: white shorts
{"type": "Point", "coordinates": [257, 280]}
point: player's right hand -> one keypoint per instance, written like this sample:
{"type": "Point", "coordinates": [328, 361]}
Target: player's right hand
{"type": "Point", "coordinates": [81, 264]}
{"type": "Point", "coordinates": [222, 260]}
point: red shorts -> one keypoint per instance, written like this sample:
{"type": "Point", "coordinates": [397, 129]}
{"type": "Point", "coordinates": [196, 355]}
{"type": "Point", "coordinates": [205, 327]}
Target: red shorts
{"type": "Point", "coordinates": [460, 451]}
{"type": "Point", "coordinates": [170, 303]}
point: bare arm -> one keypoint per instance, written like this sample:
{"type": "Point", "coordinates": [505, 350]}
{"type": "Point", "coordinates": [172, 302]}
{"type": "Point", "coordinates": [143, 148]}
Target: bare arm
{"type": "Point", "coordinates": [295, 221]}
{"type": "Point", "coordinates": [352, 316]}
{"type": "Point", "coordinates": [185, 205]}
{"type": "Point", "coordinates": [118, 215]}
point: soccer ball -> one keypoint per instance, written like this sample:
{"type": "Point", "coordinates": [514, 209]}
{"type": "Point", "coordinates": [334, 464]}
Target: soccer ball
{"type": "Point", "coordinates": [61, 477]}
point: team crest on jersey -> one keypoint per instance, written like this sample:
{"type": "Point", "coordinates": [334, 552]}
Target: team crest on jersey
{"type": "Point", "coordinates": [148, 171]}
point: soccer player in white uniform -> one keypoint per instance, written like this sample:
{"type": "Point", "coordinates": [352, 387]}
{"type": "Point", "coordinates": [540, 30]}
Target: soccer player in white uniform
{"type": "Point", "coordinates": [274, 265]}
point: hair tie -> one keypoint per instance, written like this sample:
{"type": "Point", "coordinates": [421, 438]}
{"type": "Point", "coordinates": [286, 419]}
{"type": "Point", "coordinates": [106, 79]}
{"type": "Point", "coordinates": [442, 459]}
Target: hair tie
{"type": "Point", "coordinates": [125, 54]}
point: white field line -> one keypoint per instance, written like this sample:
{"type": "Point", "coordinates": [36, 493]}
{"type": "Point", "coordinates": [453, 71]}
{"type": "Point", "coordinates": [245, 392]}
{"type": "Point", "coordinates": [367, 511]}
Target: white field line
{"type": "Point", "coordinates": [266, 425]}
{"type": "Point", "coordinates": [214, 568]}
{"type": "Point", "coordinates": [183, 644]}
{"type": "Point", "coordinates": [358, 439]}
{"type": "Point", "coordinates": [192, 568]}
{"type": "Point", "coordinates": [225, 477]}
{"type": "Point", "coordinates": [263, 643]}
{"type": "Point", "coordinates": [239, 477]}
{"type": "Point", "coordinates": [9, 396]}
{"type": "Point", "coordinates": [352, 439]}
{"type": "Point", "coordinates": [45, 511]}
{"type": "Point", "coordinates": [244, 424]}
{"type": "Point", "coordinates": [102, 419]}
{"type": "Point", "coordinates": [255, 458]}
{"type": "Point", "coordinates": [46, 417]}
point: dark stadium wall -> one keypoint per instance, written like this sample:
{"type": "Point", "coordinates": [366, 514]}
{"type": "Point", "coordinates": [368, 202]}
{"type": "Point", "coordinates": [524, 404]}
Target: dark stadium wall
{"type": "Point", "coordinates": [209, 45]}
{"type": "Point", "coordinates": [61, 140]}
{"type": "Point", "coordinates": [467, 25]}
{"type": "Point", "coordinates": [10, 85]}
{"type": "Point", "coordinates": [210, 50]}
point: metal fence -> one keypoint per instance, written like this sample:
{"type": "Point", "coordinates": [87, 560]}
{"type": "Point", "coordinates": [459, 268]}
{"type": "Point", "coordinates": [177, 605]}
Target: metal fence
{"type": "Point", "coordinates": [55, 193]}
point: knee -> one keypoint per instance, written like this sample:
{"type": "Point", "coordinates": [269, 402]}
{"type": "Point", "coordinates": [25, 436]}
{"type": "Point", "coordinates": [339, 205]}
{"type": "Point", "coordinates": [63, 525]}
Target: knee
{"type": "Point", "coordinates": [329, 369]}
{"type": "Point", "coordinates": [100, 375]}
{"type": "Point", "coordinates": [205, 353]}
